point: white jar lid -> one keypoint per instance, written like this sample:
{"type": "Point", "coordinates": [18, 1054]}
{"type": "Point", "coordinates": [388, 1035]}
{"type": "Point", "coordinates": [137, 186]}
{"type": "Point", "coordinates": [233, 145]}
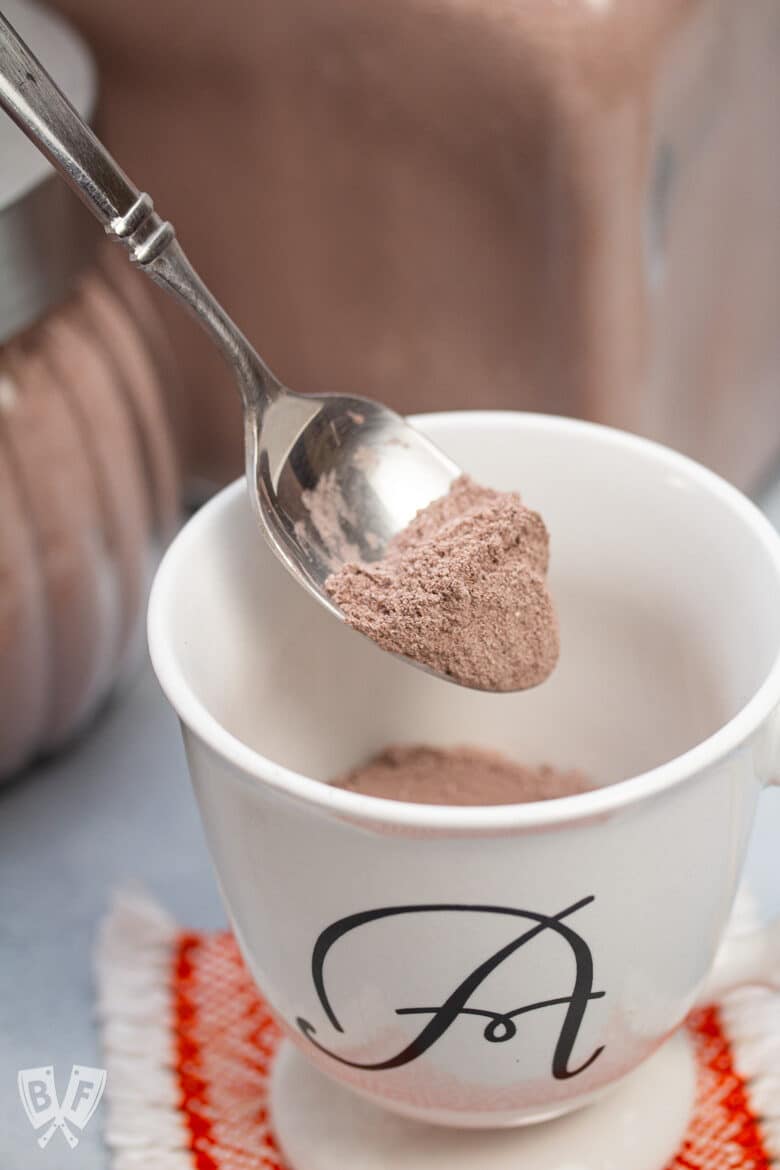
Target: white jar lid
{"type": "Point", "coordinates": [46, 236]}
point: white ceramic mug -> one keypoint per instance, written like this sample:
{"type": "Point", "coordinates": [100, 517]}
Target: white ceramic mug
{"type": "Point", "coordinates": [494, 965]}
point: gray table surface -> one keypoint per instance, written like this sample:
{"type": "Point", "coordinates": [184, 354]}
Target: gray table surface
{"type": "Point", "coordinates": [116, 810]}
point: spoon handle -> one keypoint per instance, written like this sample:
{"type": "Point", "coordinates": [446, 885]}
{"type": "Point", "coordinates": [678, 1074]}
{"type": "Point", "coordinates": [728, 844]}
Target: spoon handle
{"type": "Point", "coordinates": [42, 111]}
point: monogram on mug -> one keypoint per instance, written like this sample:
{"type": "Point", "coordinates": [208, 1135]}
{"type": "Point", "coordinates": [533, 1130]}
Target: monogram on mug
{"type": "Point", "coordinates": [467, 1001]}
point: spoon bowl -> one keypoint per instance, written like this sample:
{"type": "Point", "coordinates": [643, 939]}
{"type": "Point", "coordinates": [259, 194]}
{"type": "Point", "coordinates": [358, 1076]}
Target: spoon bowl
{"type": "Point", "coordinates": [333, 478]}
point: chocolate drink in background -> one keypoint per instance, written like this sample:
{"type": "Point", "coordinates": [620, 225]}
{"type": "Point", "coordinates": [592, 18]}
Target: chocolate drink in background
{"type": "Point", "coordinates": [462, 590]}
{"type": "Point", "coordinates": [459, 775]}
{"type": "Point", "coordinates": [543, 214]}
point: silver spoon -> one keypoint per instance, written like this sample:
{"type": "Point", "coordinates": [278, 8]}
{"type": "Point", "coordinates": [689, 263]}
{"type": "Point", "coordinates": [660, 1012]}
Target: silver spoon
{"type": "Point", "coordinates": [331, 477]}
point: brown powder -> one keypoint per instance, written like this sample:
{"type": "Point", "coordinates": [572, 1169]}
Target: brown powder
{"type": "Point", "coordinates": [461, 775]}
{"type": "Point", "coordinates": [462, 590]}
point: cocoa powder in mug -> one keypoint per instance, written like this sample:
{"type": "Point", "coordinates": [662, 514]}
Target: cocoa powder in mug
{"type": "Point", "coordinates": [459, 775]}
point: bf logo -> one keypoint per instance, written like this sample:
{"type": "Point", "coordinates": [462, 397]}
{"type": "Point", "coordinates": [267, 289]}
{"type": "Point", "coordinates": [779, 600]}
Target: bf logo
{"type": "Point", "coordinates": [39, 1097]}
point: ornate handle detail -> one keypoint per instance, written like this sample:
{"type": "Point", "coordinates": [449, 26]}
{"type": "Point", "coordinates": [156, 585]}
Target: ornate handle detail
{"type": "Point", "coordinates": [141, 230]}
{"type": "Point", "coordinates": [40, 108]}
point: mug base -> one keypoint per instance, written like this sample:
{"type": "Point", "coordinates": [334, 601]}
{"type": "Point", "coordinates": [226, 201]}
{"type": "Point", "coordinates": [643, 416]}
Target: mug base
{"type": "Point", "coordinates": [640, 1123]}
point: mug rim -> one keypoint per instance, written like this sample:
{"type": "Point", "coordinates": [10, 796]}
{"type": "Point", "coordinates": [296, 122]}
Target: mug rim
{"type": "Point", "coordinates": [255, 767]}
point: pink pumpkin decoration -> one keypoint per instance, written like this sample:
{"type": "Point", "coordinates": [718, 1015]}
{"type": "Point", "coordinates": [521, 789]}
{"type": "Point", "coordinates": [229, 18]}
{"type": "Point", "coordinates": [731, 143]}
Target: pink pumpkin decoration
{"type": "Point", "coordinates": [88, 477]}
{"type": "Point", "coordinates": [87, 481]}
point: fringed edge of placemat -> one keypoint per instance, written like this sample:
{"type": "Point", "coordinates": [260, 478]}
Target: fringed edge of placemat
{"type": "Point", "coordinates": [751, 1019]}
{"type": "Point", "coordinates": [134, 963]}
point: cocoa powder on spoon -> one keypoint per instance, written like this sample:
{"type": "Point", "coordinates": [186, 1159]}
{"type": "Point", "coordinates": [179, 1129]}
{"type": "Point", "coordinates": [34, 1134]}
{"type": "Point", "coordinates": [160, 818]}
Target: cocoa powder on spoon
{"type": "Point", "coordinates": [462, 590]}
